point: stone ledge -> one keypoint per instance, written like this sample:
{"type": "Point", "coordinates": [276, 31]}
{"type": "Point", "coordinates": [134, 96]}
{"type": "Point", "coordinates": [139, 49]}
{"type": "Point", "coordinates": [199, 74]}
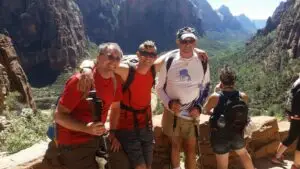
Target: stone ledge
{"type": "Point", "coordinates": [27, 156]}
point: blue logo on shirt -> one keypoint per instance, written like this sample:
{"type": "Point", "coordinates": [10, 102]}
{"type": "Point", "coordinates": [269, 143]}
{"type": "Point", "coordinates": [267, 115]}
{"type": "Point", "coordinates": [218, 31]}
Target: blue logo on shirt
{"type": "Point", "coordinates": [184, 75]}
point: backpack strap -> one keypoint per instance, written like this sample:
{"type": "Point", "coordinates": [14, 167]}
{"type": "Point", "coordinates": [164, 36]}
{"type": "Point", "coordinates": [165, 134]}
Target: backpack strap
{"type": "Point", "coordinates": [130, 78]}
{"type": "Point", "coordinates": [168, 65]}
{"type": "Point", "coordinates": [153, 72]}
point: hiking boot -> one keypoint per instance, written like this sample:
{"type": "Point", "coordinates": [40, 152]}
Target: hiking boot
{"type": "Point", "coordinates": [279, 161]}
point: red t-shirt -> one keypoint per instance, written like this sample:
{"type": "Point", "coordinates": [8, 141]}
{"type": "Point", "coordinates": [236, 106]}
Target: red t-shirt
{"type": "Point", "coordinates": [140, 98]}
{"type": "Point", "coordinates": [81, 109]}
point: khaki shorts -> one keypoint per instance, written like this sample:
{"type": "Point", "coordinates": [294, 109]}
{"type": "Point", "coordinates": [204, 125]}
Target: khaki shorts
{"type": "Point", "coordinates": [184, 128]}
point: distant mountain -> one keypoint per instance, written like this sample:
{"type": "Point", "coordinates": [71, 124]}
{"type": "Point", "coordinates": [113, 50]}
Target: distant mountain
{"type": "Point", "coordinates": [246, 23]}
{"type": "Point", "coordinates": [129, 22]}
{"type": "Point", "coordinates": [227, 19]}
{"type": "Point", "coordinates": [210, 19]}
{"type": "Point", "coordinates": [259, 23]}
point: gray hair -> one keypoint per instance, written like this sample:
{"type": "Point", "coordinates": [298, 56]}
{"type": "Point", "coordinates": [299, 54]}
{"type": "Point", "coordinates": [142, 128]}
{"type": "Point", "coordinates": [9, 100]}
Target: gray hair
{"type": "Point", "coordinates": [102, 48]}
{"type": "Point", "coordinates": [147, 44]}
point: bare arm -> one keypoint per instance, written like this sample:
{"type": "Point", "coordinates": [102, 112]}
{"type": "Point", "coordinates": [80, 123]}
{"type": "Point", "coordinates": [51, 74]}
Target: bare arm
{"type": "Point", "coordinates": [244, 97]}
{"type": "Point", "coordinates": [211, 103]}
{"type": "Point", "coordinates": [63, 118]}
{"type": "Point", "coordinates": [160, 87]}
{"type": "Point", "coordinates": [114, 115]}
{"type": "Point", "coordinates": [123, 71]}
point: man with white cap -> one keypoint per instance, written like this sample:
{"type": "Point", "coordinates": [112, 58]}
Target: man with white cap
{"type": "Point", "coordinates": [183, 87]}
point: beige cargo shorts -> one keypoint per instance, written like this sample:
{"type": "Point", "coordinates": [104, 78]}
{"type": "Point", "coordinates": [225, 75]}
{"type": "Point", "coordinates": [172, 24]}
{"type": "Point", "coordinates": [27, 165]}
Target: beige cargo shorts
{"type": "Point", "coordinates": [184, 128]}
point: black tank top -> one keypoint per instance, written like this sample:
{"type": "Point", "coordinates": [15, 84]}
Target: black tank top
{"type": "Point", "coordinates": [218, 110]}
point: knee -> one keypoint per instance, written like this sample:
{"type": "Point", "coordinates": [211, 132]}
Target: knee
{"type": "Point", "coordinates": [190, 150]}
{"type": "Point", "coordinates": [243, 153]}
{"type": "Point", "coordinates": [176, 146]}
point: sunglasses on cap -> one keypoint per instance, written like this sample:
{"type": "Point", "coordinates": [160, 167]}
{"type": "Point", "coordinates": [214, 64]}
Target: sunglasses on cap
{"type": "Point", "coordinates": [113, 58]}
{"type": "Point", "coordinates": [148, 54]}
{"type": "Point", "coordinates": [187, 41]}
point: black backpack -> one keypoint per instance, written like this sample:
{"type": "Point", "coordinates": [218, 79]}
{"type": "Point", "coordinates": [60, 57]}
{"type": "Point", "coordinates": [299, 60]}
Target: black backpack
{"type": "Point", "coordinates": [295, 100]}
{"type": "Point", "coordinates": [235, 112]}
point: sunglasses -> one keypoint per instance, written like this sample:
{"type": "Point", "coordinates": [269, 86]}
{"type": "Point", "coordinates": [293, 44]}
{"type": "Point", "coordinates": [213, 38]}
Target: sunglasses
{"type": "Point", "coordinates": [148, 54]}
{"type": "Point", "coordinates": [187, 41]}
{"type": "Point", "coordinates": [113, 58]}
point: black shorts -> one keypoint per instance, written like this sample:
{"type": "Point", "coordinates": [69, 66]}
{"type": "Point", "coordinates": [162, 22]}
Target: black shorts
{"type": "Point", "coordinates": [224, 141]}
{"type": "Point", "coordinates": [139, 147]}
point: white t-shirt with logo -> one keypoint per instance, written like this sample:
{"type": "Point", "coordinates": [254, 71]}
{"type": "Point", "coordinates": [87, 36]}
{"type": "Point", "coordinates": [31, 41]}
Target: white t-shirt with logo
{"type": "Point", "coordinates": [185, 81]}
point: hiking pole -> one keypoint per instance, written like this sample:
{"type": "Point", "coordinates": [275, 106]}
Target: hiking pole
{"type": "Point", "coordinates": [174, 127]}
{"type": "Point", "coordinates": [98, 106]}
{"type": "Point", "coordinates": [197, 134]}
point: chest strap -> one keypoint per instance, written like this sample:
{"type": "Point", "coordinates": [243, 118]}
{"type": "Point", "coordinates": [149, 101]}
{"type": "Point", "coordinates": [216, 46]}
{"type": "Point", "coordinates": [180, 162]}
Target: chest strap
{"type": "Point", "coordinates": [135, 112]}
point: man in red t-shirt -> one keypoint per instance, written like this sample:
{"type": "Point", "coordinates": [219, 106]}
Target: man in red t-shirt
{"type": "Point", "coordinates": [77, 128]}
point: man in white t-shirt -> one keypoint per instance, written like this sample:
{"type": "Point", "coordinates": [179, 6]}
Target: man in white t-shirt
{"type": "Point", "coordinates": [183, 86]}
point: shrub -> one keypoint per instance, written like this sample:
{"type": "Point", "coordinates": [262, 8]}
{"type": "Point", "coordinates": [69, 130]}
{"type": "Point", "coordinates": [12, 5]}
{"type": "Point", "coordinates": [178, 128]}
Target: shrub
{"type": "Point", "coordinates": [25, 129]}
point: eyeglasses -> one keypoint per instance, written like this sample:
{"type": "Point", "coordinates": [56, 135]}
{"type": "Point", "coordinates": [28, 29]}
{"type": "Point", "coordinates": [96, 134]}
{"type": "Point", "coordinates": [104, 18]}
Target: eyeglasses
{"type": "Point", "coordinates": [187, 41]}
{"type": "Point", "coordinates": [113, 58]}
{"type": "Point", "coordinates": [148, 54]}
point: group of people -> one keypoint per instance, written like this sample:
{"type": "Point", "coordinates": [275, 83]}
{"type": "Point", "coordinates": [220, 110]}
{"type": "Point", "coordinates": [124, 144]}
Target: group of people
{"type": "Point", "coordinates": [124, 91]}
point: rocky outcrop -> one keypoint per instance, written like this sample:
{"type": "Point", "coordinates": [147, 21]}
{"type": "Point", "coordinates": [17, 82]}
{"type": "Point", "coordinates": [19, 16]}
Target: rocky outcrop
{"type": "Point", "coordinates": [12, 76]}
{"type": "Point", "coordinates": [228, 20]}
{"type": "Point", "coordinates": [210, 19]}
{"type": "Point", "coordinates": [274, 21]}
{"type": "Point", "coordinates": [100, 19]}
{"type": "Point", "coordinates": [48, 35]}
{"type": "Point", "coordinates": [282, 38]}
{"type": "Point", "coordinates": [159, 22]}
{"type": "Point", "coordinates": [288, 32]}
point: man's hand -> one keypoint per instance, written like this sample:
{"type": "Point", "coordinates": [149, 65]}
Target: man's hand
{"type": "Point", "coordinates": [86, 81]}
{"type": "Point", "coordinates": [95, 128]}
{"type": "Point", "coordinates": [195, 113]}
{"type": "Point", "coordinates": [201, 54]}
{"type": "Point", "coordinates": [175, 106]}
{"type": "Point", "coordinates": [115, 144]}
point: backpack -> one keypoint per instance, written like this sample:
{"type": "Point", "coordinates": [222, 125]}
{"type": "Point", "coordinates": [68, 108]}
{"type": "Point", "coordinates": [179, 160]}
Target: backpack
{"type": "Point", "coordinates": [295, 100]}
{"type": "Point", "coordinates": [52, 128]}
{"type": "Point", "coordinates": [235, 112]}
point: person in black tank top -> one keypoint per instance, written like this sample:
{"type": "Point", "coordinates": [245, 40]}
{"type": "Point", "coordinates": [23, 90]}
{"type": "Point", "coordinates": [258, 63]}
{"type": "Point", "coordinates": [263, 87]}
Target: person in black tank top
{"type": "Point", "coordinates": [293, 112]}
{"type": "Point", "coordinates": [225, 139]}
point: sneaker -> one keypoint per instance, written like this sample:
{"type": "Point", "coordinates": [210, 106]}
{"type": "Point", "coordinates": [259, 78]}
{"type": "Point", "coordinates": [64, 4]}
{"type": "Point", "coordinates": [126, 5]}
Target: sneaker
{"type": "Point", "coordinates": [279, 161]}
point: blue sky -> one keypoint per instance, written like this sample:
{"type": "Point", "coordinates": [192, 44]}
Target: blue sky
{"type": "Point", "coordinates": [254, 9]}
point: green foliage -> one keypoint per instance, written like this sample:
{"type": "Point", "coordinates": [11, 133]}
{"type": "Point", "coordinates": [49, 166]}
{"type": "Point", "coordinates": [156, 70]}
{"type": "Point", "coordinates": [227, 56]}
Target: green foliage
{"type": "Point", "coordinates": [25, 129]}
{"type": "Point", "coordinates": [267, 89]}
{"type": "Point", "coordinates": [13, 101]}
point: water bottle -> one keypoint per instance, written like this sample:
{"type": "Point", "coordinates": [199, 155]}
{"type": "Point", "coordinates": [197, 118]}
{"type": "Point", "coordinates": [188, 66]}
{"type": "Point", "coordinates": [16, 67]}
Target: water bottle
{"type": "Point", "coordinates": [221, 121]}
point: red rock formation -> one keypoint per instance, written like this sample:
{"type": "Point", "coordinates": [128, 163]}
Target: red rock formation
{"type": "Point", "coordinates": [12, 76]}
